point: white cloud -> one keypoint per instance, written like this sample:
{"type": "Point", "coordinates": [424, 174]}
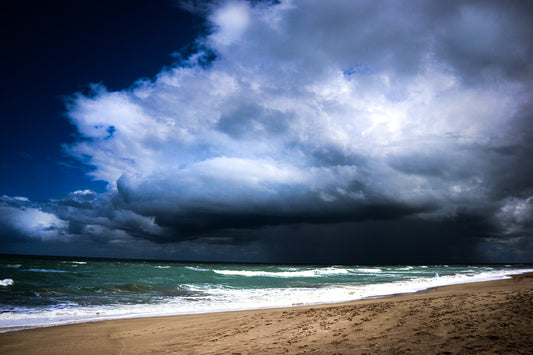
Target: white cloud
{"type": "Point", "coordinates": [31, 222]}
{"type": "Point", "coordinates": [231, 20]}
{"type": "Point", "coordinates": [297, 81]}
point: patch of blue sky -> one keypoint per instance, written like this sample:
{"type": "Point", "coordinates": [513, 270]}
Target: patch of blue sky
{"type": "Point", "coordinates": [360, 69]}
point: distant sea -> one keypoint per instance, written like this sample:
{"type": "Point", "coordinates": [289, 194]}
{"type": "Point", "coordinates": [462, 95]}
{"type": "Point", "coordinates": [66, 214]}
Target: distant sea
{"type": "Point", "coordinates": [46, 291]}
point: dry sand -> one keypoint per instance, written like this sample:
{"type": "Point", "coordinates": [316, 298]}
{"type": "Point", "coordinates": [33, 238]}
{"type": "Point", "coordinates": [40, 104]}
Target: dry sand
{"type": "Point", "coordinates": [492, 317]}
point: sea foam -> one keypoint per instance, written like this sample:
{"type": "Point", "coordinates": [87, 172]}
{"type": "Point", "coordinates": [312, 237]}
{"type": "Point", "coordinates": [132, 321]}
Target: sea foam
{"type": "Point", "coordinates": [284, 274]}
{"type": "Point", "coordinates": [6, 282]}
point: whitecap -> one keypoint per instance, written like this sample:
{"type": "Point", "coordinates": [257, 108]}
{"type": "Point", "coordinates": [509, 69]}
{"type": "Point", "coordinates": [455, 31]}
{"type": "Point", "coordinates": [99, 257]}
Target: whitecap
{"type": "Point", "coordinates": [283, 274]}
{"type": "Point", "coordinates": [195, 268]}
{"type": "Point", "coordinates": [376, 270]}
{"type": "Point", "coordinates": [6, 282]}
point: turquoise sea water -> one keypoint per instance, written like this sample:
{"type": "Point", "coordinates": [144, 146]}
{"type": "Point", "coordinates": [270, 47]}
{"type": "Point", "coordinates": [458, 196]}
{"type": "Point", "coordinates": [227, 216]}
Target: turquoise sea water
{"type": "Point", "coordinates": [40, 291]}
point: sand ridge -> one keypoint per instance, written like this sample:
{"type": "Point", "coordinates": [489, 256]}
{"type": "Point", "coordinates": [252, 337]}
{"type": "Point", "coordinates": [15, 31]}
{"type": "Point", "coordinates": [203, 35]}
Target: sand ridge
{"type": "Point", "coordinates": [492, 317]}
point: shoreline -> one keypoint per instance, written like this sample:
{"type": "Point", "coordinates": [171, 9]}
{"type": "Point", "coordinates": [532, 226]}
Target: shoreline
{"type": "Point", "coordinates": [104, 317]}
{"type": "Point", "coordinates": [489, 316]}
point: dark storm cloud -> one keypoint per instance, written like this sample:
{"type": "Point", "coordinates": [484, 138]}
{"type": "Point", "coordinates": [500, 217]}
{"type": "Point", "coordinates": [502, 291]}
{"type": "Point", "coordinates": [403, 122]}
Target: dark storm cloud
{"type": "Point", "coordinates": [475, 38]}
{"type": "Point", "coordinates": [196, 223]}
{"type": "Point", "coordinates": [340, 126]}
{"type": "Point", "coordinates": [375, 242]}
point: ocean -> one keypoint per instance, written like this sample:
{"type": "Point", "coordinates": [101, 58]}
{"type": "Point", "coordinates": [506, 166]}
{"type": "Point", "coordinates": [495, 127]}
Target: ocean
{"type": "Point", "coordinates": [47, 291]}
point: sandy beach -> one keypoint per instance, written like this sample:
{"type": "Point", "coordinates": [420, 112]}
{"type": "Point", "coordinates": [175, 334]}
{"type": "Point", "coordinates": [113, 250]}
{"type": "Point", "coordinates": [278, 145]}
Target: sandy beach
{"type": "Point", "coordinates": [484, 317]}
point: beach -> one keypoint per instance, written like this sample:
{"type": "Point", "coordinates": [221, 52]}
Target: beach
{"type": "Point", "coordinates": [481, 317]}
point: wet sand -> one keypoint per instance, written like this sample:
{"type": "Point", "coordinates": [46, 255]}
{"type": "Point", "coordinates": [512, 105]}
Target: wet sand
{"type": "Point", "coordinates": [494, 317]}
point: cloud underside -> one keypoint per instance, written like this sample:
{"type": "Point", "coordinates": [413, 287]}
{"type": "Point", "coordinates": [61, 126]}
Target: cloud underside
{"type": "Point", "coordinates": [308, 113]}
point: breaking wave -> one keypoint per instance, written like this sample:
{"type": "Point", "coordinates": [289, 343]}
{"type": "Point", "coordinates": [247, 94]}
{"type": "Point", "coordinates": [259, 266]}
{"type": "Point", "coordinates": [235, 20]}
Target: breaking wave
{"type": "Point", "coordinates": [284, 274]}
{"type": "Point", "coordinates": [6, 282]}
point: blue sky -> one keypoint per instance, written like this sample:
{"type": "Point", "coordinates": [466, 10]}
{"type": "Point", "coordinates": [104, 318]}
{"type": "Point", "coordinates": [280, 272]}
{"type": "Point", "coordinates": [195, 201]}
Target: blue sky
{"type": "Point", "coordinates": [55, 49]}
{"type": "Point", "coordinates": [290, 131]}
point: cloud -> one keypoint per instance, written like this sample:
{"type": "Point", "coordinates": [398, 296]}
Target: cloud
{"type": "Point", "coordinates": [230, 21]}
{"type": "Point", "coordinates": [317, 113]}
{"type": "Point", "coordinates": [19, 220]}
{"type": "Point", "coordinates": [516, 216]}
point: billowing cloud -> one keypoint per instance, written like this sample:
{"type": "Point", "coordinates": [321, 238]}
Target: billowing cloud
{"type": "Point", "coordinates": [19, 219]}
{"type": "Point", "coordinates": [319, 113]}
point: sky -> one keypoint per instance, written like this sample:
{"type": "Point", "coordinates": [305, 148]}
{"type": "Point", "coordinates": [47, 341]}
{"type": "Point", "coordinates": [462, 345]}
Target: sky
{"type": "Point", "coordinates": [294, 131]}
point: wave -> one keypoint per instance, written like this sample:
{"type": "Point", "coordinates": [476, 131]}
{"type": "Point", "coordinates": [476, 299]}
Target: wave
{"type": "Point", "coordinates": [135, 288]}
{"type": "Point", "coordinates": [45, 270]}
{"type": "Point", "coordinates": [196, 268]}
{"type": "Point", "coordinates": [284, 274]}
{"type": "Point", "coordinates": [161, 267]}
{"type": "Point", "coordinates": [13, 266]}
{"type": "Point", "coordinates": [193, 290]}
{"type": "Point", "coordinates": [368, 270]}
{"type": "Point", "coordinates": [6, 282]}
